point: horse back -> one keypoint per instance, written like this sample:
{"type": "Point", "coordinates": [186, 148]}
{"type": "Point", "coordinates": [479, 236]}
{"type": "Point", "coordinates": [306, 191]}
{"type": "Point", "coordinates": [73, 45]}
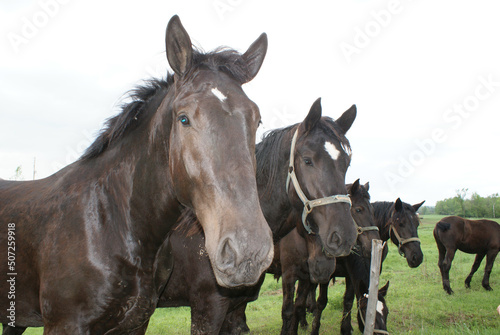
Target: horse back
{"type": "Point", "coordinates": [470, 236]}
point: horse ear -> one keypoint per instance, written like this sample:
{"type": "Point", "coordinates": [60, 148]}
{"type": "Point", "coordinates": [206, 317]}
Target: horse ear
{"type": "Point", "coordinates": [383, 291]}
{"type": "Point", "coordinates": [254, 56]}
{"type": "Point", "coordinates": [178, 46]}
{"type": "Point", "coordinates": [347, 118]}
{"type": "Point", "coordinates": [417, 206]}
{"type": "Point", "coordinates": [312, 117]}
{"type": "Point", "coordinates": [367, 186]}
{"type": "Point", "coordinates": [399, 204]}
{"type": "Point", "coordinates": [354, 187]}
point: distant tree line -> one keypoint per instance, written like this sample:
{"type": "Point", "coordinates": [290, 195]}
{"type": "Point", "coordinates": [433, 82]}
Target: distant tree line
{"type": "Point", "coordinates": [474, 206]}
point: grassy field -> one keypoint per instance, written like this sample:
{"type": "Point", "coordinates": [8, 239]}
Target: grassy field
{"type": "Point", "coordinates": [416, 300]}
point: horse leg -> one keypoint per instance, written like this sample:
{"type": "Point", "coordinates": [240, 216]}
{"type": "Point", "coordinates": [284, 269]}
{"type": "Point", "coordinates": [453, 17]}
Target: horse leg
{"type": "Point", "coordinates": [8, 330]}
{"type": "Point", "coordinates": [490, 260]}
{"type": "Point", "coordinates": [207, 316]}
{"type": "Point", "coordinates": [288, 285]}
{"type": "Point", "coordinates": [311, 299]}
{"type": "Point", "coordinates": [303, 290]}
{"type": "Point", "coordinates": [475, 266]}
{"type": "Point", "coordinates": [235, 322]}
{"type": "Point", "coordinates": [445, 269]}
{"type": "Point", "coordinates": [345, 327]}
{"type": "Point", "coordinates": [320, 306]}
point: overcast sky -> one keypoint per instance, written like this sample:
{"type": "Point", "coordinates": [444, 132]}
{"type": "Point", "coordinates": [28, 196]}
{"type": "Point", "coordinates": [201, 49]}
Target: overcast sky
{"type": "Point", "coordinates": [424, 75]}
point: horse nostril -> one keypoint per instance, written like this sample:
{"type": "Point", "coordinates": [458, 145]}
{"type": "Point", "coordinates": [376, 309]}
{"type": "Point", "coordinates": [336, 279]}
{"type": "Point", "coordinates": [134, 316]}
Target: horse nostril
{"type": "Point", "coordinates": [335, 240]}
{"type": "Point", "coordinates": [227, 256]}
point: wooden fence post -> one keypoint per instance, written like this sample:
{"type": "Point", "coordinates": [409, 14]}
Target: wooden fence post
{"type": "Point", "coordinates": [377, 247]}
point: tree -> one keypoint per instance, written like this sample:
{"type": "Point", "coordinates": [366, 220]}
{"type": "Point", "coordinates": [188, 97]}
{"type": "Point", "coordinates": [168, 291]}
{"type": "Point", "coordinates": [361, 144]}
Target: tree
{"type": "Point", "coordinates": [461, 194]}
{"type": "Point", "coordinates": [18, 174]}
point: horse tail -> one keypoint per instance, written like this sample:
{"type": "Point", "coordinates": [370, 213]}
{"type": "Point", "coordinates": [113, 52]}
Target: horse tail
{"type": "Point", "coordinates": [443, 226]}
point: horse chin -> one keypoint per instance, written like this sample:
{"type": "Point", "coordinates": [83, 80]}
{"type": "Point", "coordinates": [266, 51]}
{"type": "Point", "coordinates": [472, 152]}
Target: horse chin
{"type": "Point", "coordinates": [321, 270]}
{"type": "Point", "coordinates": [233, 268]}
{"type": "Point", "coordinates": [414, 259]}
{"type": "Point", "coordinates": [236, 279]}
{"type": "Point", "coordinates": [413, 263]}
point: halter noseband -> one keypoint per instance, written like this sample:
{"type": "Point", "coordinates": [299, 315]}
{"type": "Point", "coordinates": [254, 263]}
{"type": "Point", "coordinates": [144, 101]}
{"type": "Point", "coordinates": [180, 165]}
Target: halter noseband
{"type": "Point", "coordinates": [401, 241]}
{"type": "Point", "coordinates": [361, 230]}
{"type": "Point", "coordinates": [309, 204]}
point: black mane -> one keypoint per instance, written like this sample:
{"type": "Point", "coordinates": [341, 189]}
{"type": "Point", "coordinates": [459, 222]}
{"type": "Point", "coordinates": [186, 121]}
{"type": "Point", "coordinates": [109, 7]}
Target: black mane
{"type": "Point", "coordinates": [116, 126]}
{"type": "Point", "coordinates": [362, 190]}
{"type": "Point", "coordinates": [268, 153]}
{"type": "Point", "coordinates": [225, 60]}
{"type": "Point", "coordinates": [382, 212]}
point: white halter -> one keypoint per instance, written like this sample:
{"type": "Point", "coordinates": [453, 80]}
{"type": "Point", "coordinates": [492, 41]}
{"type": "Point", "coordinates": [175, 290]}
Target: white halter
{"type": "Point", "coordinates": [309, 204]}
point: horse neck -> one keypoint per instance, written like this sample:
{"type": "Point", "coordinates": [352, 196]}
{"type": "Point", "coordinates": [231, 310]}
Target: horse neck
{"type": "Point", "coordinates": [382, 211]}
{"type": "Point", "coordinates": [271, 181]}
{"type": "Point", "coordinates": [135, 174]}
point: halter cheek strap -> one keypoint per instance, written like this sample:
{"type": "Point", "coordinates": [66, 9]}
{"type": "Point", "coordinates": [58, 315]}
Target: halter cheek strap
{"type": "Point", "coordinates": [309, 204]}
{"type": "Point", "coordinates": [401, 241]}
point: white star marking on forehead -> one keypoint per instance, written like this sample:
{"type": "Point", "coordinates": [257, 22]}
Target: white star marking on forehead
{"type": "Point", "coordinates": [219, 94]}
{"type": "Point", "coordinates": [332, 150]}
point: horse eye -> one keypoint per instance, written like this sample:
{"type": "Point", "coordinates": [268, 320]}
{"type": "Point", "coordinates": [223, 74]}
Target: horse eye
{"type": "Point", "coordinates": [308, 161]}
{"type": "Point", "coordinates": [358, 210]}
{"type": "Point", "coordinates": [184, 120]}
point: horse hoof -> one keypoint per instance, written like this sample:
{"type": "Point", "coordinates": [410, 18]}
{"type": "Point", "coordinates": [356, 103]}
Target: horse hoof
{"type": "Point", "coordinates": [488, 288]}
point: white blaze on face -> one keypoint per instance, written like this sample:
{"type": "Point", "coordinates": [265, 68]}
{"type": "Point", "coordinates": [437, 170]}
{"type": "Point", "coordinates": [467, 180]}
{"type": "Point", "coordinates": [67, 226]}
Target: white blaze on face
{"type": "Point", "coordinates": [380, 307]}
{"type": "Point", "coordinates": [332, 150]}
{"type": "Point", "coordinates": [218, 94]}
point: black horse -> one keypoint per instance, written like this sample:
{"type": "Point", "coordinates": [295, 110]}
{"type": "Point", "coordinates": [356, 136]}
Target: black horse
{"type": "Point", "coordinates": [192, 283]}
{"type": "Point", "coordinates": [396, 220]}
{"type": "Point", "coordinates": [399, 222]}
{"type": "Point", "coordinates": [481, 237]}
{"type": "Point", "coordinates": [87, 238]}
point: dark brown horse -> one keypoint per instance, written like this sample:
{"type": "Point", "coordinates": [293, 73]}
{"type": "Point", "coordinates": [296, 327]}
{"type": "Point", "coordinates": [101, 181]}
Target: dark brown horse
{"type": "Point", "coordinates": [91, 246]}
{"type": "Point", "coordinates": [192, 283]}
{"type": "Point", "coordinates": [481, 237]}
{"type": "Point", "coordinates": [399, 222]}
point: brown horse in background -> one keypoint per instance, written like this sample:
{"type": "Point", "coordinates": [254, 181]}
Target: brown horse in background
{"type": "Point", "coordinates": [481, 237]}
{"type": "Point", "coordinates": [91, 241]}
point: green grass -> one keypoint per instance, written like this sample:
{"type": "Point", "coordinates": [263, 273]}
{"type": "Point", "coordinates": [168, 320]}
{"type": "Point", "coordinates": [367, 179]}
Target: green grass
{"type": "Point", "coordinates": [416, 299]}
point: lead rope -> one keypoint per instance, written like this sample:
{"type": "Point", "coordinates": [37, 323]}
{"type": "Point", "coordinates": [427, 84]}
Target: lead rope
{"type": "Point", "coordinates": [309, 204]}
